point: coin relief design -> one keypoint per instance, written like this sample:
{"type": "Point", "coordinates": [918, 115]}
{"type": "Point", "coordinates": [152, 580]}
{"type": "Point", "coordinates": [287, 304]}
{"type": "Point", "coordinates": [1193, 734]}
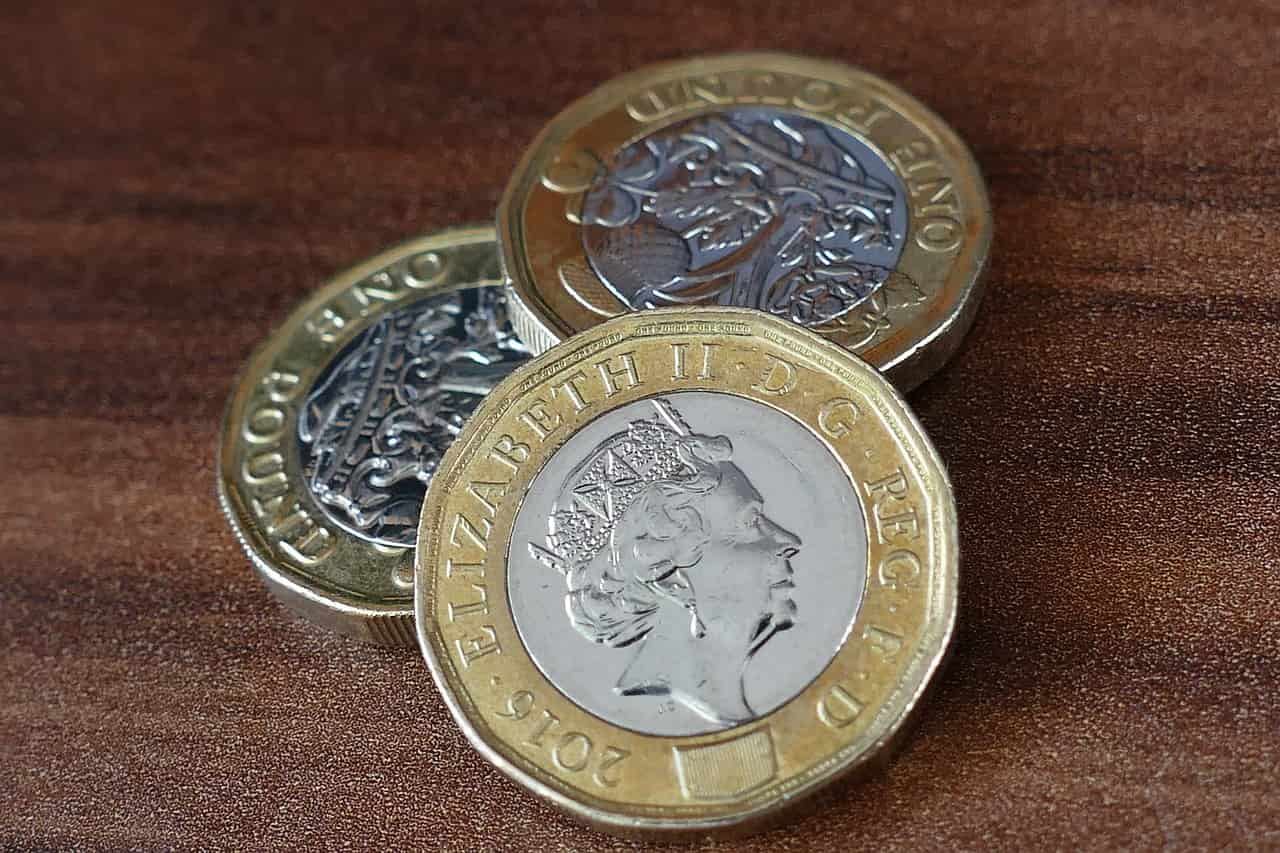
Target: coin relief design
{"type": "Point", "coordinates": [374, 426]}
{"type": "Point", "coordinates": [760, 208]}
{"type": "Point", "coordinates": [341, 417]}
{"type": "Point", "coordinates": [685, 569]}
{"type": "Point", "coordinates": [810, 190]}
{"type": "Point", "coordinates": [675, 563]}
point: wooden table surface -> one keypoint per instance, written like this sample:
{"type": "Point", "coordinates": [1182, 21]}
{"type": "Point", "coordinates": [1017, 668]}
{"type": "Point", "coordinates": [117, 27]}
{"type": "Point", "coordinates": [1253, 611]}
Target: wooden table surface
{"type": "Point", "coordinates": [173, 179]}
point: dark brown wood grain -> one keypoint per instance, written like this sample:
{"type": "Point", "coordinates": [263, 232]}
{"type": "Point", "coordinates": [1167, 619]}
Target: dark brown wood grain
{"type": "Point", "coordinates": [173, 177]}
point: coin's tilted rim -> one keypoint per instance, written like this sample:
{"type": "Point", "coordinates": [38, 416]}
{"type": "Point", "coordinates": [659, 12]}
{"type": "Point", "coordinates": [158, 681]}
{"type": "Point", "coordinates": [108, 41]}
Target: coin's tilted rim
{"type": "Point", "coordinates": [474, 665]}
{"type": "Point", "coordinates": [389, 621]}
{"type": "Point", "coordinates": [908, 348]}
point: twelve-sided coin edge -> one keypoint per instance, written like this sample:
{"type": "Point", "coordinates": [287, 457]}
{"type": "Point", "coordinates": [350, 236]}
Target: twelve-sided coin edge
{"type": "Point", "coordinates": [928, 652]}
{"type": "Point", "coordinates": [908, 353]}
{"type": "Point", "coordinates": [383, 620]}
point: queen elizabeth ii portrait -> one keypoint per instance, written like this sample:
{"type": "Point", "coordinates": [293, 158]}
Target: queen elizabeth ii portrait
{"type": "Point", "coordinates": [670, 557]}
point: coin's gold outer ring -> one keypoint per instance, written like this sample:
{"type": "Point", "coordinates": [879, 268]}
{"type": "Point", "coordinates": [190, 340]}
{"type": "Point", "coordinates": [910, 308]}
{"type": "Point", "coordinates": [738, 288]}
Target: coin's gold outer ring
{"type": "Point", "coordinates": [908, 330]}
{"type": "Point", "coordinates": [356, 588]}
{"type": "Point", "coordinates": [898, 640]}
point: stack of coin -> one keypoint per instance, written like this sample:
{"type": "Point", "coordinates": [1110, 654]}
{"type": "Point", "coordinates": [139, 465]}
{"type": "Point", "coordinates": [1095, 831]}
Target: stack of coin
{"type": "Point", "coordinates": [674, 546]}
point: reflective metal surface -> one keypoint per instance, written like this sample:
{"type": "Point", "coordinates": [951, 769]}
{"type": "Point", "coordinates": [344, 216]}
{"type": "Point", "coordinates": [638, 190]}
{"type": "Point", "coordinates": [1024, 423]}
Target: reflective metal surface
{"type": "Point", "coordinates": [812, 190]}
{"type": "Point", "coordinates": [377, 421]}
{"type": "Point", "coordinates": [340, 417]}
{"type": "Point", "coordinates": [685, 569]}
{"type": "Point", "coordinates": [761, 208]}
{"type": "Point", "coordinates": [687, 563]}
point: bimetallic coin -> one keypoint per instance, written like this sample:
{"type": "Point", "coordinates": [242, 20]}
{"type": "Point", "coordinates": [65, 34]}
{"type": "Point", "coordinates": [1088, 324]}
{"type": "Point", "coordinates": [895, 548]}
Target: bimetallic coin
{"type": "Point", "coordinates": [810, 190]}
{"type": "Point", "coordinates": [340, 420]}
{"type": "Point", "coordinates": [685, 569]}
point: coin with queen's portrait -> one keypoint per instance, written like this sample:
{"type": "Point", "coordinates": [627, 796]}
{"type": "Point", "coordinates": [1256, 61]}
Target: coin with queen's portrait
{"type": "Point", "coordinates": [685, 569]}
{"type": "Point", "coordinates": [682, 557]}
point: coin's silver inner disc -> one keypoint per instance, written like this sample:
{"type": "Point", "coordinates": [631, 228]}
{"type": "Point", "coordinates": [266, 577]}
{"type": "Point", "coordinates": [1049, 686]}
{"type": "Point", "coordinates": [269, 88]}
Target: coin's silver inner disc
{"type": "Point", "coordinates": [760, 208]}
{"type": "Point", "coordinates": [687, 563]}
{"type": "Point", "coordinates": [381, 415]}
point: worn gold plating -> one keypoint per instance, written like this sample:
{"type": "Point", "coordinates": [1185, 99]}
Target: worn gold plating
{"type": "Point", "coordinates": [615, 777]}
{"type": "Point", "coordinates": [908, 326]}
{"type": "Point", "coordinates": [320, 571]}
